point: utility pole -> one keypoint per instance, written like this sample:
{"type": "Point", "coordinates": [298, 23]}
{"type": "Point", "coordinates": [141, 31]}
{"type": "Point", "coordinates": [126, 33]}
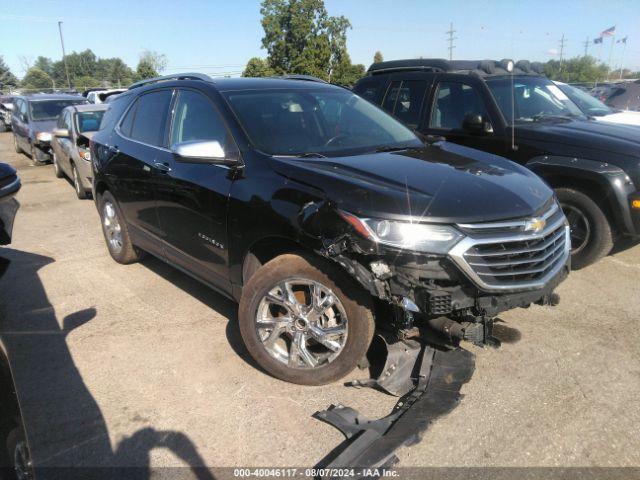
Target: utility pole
{"type": "Point", "coordinates": [451, 38]}
{"type": "Point", "coordinates": [64, 56]}
{"type": "Point", "coordinates": [562, 42]}
{"type": "Point", "coordinates": [586, 46]}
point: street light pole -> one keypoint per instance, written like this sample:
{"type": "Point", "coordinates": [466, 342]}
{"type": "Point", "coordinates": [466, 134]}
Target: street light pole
{"type": "Point", "coordinates": [64, 55]}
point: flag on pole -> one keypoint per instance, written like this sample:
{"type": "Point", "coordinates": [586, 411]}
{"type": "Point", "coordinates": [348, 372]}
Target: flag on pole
{"type": "Point", "coordinates": [597, 40]}
{"type": "Point", "coordinates": [622, 40]}
{"type": "Point", "coordinates": [609, 32]}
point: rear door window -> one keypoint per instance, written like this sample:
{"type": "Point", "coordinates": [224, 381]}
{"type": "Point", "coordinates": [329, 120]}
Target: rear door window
{"type": "Point", "coordinates": [390, 98]}
{"type": "Point", "coordinates": [150, 120]}
{"type": "Point", "coordinates": [409, 102]}
{"type": "Point", "coordinates": [454, 100]}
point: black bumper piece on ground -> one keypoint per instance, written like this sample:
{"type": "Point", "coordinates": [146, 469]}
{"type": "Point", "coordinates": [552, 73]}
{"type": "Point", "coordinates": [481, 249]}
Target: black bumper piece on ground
{"type": "Point", "coordinates": [372, 443]}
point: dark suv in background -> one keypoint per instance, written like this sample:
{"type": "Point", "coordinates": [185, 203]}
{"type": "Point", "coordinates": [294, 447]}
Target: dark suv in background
{"type": "Point", "coordinates": [322, 215]}
{"type": "Point", "coordinates": [514, 111]}
{"type": "Point", "coordinates": [33, 120]}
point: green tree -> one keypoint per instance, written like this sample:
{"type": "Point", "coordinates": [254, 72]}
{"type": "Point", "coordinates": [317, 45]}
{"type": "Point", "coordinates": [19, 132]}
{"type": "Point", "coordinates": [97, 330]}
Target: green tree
{"type": "Point", "coordinates": [301, 38]}
{"type": "Point", "coordinates": [120, 74]}
{"type": "Point", "coordinates": [258, 67]}
{"type": "Point", "coordinates": [6, 77]}
{"type": "Point", "coordinates": [578, 69]}
{"type": "Point", "coordinates": [84, 82]}
{"type": "Point", "coordinates": [157, 61]}
{"type": "Point", "coordinates": [36, 79]}
{"type": "Point", "coordinates": [377, 57]}
{"type": "Point", "coordinates": [145, 70]}
{"type": "Point", "coordinates": [45, 64]}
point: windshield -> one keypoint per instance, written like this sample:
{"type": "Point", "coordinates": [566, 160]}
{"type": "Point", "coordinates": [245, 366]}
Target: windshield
{"type": "Point", "coordinates": [89, 121]}
{"type": "Point", "coordinates": [321, 122]}
{"type": "Point", "coordinates": [50, 109]}
{"type": "Point", "coordinates": [535, 98]}
{"type": "Point", "coordinates": [587, 103]}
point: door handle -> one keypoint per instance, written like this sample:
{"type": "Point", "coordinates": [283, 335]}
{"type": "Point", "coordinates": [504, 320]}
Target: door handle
{"type": "Point", "coordinates": [163, 167]}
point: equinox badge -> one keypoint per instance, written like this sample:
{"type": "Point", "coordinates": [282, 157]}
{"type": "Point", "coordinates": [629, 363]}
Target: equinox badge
{"type": "Point", "coordinates": [535, 225]}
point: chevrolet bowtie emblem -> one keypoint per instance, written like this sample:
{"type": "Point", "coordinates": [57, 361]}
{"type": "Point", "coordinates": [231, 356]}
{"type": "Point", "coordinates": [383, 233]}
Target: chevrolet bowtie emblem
{"type": "Point", "coordinates": [535, 225]}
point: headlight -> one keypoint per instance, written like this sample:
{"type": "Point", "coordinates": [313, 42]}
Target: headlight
{"type": "Point", "coordinates": [43, 136]}
{"type": "Point", "coordinates": [419, 237]}
{"type": "Point", "coordinates": [84, 154]}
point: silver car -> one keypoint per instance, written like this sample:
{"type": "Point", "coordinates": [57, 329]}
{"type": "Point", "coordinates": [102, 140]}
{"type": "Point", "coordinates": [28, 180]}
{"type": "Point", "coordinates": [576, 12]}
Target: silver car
{"type": "Point", "coordinates": [70, 144]}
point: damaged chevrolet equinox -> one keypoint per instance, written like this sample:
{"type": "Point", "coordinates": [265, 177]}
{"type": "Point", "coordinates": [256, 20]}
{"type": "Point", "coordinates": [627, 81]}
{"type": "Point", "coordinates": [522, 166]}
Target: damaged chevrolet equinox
{"type": "Point", "coordinates": [324, 217]}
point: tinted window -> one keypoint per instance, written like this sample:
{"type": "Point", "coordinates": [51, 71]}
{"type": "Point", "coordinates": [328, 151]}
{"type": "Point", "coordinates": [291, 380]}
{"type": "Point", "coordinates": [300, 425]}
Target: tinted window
{"type": "Point", "coordinates": [454, 101]}
{"type": "Point", "coordinates": [127, 122]}
{"type": "Point", "coordinates": [392, 94]}
{"type": "Point", "coordinates": [50, 109]}
{"type": "Point", "coordinates": [324, 121]}
{"type": "Point", "coordinates": [369, 89]}
{"type": "Point", "coordinates": [195, 118]}
{"type": "Point", "coordinates": [409, 102]}
{"type": "Point", "coordinates": [89, 121]}
{"type": "Point", "coordinates": [151, 117]}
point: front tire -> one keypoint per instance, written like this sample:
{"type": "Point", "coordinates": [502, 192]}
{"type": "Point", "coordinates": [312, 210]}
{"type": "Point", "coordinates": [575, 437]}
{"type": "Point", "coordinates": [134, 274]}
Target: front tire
{"type": "Point", "coordinates": [115, 231]}
{"type": "Point", "coordinates": [591, 233]}
{"type": "Point", "coordinates": [56, 166]}
{"type": "Point", "coordinates": [77, 184]}
{"type": "Point", "coordinates": [304, 320]}
{"type": "Point", "coordinates": [19, 454]}
{"type": "Point", "coordinates": [38, 156]}
{"type": "Point", "coordinates": [16, 147]}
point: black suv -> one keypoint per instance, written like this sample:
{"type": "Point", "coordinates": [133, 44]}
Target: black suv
{"type": "Point", "coordinates": [514, 111]}
{"type": "Point", "coordinates": [322, 215]}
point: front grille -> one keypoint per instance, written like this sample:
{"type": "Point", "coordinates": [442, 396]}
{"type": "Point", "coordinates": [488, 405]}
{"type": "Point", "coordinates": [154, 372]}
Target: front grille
{"type": "Point", "coordinates": [505, 256]}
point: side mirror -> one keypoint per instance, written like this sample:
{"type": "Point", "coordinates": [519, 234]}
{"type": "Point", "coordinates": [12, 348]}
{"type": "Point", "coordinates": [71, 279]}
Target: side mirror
{"type": "Point", "coordinates": [61, 133]}
{"type": "Point", "coordinates": [202, 151]}
{"type": "Point", "coordinates": [474, 123]}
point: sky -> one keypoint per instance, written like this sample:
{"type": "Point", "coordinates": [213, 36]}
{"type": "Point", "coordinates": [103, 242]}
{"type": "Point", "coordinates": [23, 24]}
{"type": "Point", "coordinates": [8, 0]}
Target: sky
{"type": "Point", "coordinates": [219, 36]}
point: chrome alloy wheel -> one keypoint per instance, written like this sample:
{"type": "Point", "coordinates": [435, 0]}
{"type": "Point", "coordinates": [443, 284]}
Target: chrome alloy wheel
{"type": "Point", "coordinates": [302, 324]}
{"type": "Point", "coordinates": [579, 226]}
{"type": "Point", "coordinates": [112, 229]}
{"type": "Point", "coordinates": [76, 181]}
{"type": "Point", "coordinates": [22, 461]}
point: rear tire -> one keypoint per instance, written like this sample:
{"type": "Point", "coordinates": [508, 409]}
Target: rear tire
{"type": "Point", "coordinates": [3, 127]}
{"type": "Point", "coordinates": [115, 231]}
{"type": "Point", "coordinates": [350, 312]}
{"type": "Point", "coordinates": [591, 233]}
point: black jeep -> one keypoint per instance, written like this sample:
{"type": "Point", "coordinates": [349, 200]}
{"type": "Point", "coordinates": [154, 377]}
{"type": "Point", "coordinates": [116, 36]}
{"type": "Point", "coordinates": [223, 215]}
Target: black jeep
{"type": "Point", "coordinates": [516, 112]}
{"type": "Point", "coordinates": [322, 215]}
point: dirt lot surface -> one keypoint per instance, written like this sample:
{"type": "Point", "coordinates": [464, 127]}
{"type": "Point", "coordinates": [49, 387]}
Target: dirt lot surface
{"type": "Point", "coordinates": [141, 365]}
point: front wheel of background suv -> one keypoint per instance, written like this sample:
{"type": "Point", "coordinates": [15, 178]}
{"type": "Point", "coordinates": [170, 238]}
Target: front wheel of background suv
{"type": "Point", "coordinates": [16, 147]}
{"type": "Point", "coordinates": [591, 234]}
{"type": "Point", "coordinates": [305, 321]}
{"type": "Point", "coordinates": [116, 233]}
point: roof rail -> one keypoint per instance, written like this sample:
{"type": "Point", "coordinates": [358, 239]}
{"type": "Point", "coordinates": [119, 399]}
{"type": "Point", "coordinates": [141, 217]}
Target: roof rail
{"type": "Point", "coordinates": [305, 78]}
{"type": "Point", "coordinates": [175, 76]}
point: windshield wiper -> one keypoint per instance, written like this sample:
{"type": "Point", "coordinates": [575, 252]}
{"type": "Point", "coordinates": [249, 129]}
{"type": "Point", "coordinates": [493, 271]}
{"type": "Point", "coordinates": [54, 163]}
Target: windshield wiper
{"type": "Point", "coordinates": [302, 155]}
{"type": "Point", "coordinates": [393, 148]}
{"type": "Point", "coordinates": [552, 116]}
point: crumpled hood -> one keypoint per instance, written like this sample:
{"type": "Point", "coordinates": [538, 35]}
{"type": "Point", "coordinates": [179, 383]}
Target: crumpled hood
{"type": "Point", "coordinates": [442, 183]}
{"type": "Point", "coordinates": [585, 136]}
{"type": "Point", "coordinates": [44, 125]}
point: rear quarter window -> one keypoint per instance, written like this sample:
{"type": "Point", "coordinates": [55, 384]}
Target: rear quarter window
{"type": "Point", "coordinates": [370, 89]}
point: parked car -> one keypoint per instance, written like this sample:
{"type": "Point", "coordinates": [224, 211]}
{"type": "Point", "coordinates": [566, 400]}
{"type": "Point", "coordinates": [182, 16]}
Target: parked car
{"type": "Point", "coordinates": [321, 215]}
{"type": "Point", "coordinates": [9, 186]}
{"type": "Point", "coordinates": [625, 97]}
{"type": "Point", "coordinates": [15, 457]}
{"type": "Point", "coordinates": [6, 107]}
{"type": "Point", "coordinates": [594, 108]}
{"type": "Point", "coordinates": [70, 145]}
{"type": "Point", "coordinates": [33, 119]}
{"type": "Point", "coordinates": [514, 111]}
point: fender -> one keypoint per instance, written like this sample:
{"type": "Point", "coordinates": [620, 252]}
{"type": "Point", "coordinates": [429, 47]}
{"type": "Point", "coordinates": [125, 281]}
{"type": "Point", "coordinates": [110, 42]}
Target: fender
{"type": "Point", "coordinates": [612, 179]}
